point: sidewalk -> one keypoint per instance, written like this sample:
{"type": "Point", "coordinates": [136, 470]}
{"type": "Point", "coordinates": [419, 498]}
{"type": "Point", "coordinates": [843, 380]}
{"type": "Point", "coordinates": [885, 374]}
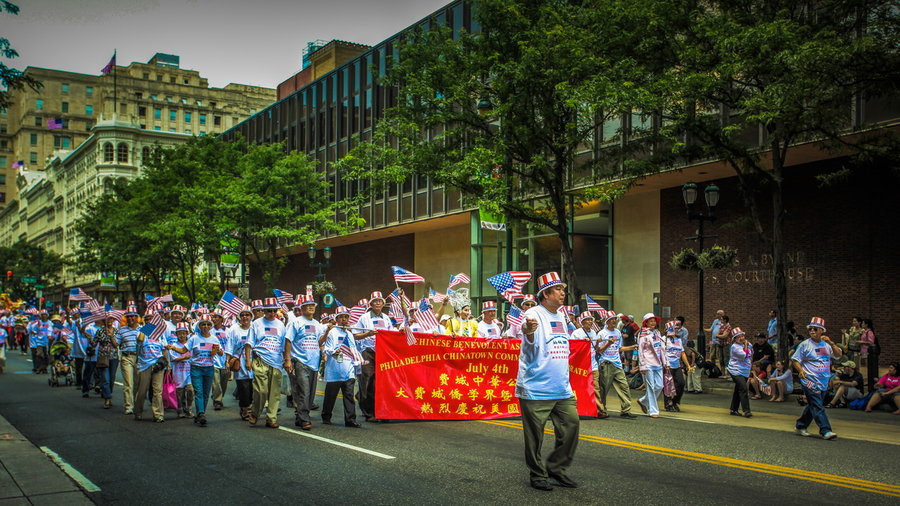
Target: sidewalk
{"type": "Point", "coordinates": [28, 476]}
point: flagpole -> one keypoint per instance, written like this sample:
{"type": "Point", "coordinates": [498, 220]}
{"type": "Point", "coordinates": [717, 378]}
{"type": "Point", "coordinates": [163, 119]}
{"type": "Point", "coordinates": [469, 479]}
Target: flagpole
{"type": "Point", "coordinates": [115, 88]}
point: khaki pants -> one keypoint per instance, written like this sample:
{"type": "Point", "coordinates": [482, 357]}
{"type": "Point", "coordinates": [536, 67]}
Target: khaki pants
{"type": "Point", "coordinates": [220, 385]}
{"type": "Point", "coordinates": [266, 389]}
{"type": "Point", "coordinates": [127, 365]}
{"type": "Point", "coordinates": [145, 381]}
{"type": "Point", "coordinates": [600, 401]}
{"type": "Point", "coordinates": [693, 380]}
{"type": "Point", "coordinates": [613, 377]}
{"type": "Point", "coordinates": [563, 413]}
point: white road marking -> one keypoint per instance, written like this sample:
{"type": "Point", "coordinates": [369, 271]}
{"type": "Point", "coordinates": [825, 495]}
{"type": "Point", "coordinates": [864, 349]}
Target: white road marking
{"type": "Point", "coordinates": [688, 419]}
{"type": "Point", "coordinates": [28, 360]}
{"type": "Point", "coordinates": [73, 473]}
{"type": "Point", "coordinates": [338, 443]}
{"type": "Point", "coordinates": [121, 385]}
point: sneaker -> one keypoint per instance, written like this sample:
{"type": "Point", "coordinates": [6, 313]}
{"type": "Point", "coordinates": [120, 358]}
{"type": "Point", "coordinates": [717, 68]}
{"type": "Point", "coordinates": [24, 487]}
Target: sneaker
{"type": "Point", "coordinates": [202, 419]}
{"type": "Point", "coordinates": [643, 407]}
{"type": "Point", "coordinates": [129, 411]}
{"type": "Point", "coordinates": [602, 414]}
{"type": "Point", "coordinates": [734, 413]}
{"type": "Point", "coordinates": [629, 416]}
{"type": "Point", "coordinates": [802, 432]}
{"type": "Point", "coordinates": [748, 414]}
{"type": "Point", "coordinates": [829, 435]}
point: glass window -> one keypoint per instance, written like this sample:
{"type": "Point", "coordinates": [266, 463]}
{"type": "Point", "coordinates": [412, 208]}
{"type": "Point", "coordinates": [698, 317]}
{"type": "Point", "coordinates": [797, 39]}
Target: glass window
{"type": "Point", "coordinates": [2, 162]}
{"type": "Point", "coordinates": [142, 111]}
{"type": "Point", "coordinates": [2, 197]}
{"type": "Point", "coordinates": [89, 91]}
{"type": "Point", "coordinates": [65, 87]}
{"type": "Point", "coordinates": [202, 119]}
{"type": "Point", "coordinates": [217, 120]}
{"type": "Point", "coordinates": [157, 128]}
{"type": "Point", "coordinates": [172, 79]}
{"type": "Point", "coordinates": [88, 125]}
{"type": "Point", "coordinates": [154, 97]}
{"type": "Point", "coordinates": [33, 139]}
{"type": "Point", "coordinates": [3, 112]}
{"type": "Point", "coordinates": [63, 142]}
{"type": "Point", "coordinates": [146, 75]}
{"type": "Point", "coordinates": [65, 107]}
{"type": "Point", "coordinates": [122, 153]}
{"type": "Point", "coordinates": [172, 130]}
{"type": "Point", "coordinates": [108, 152]}
{"type": "Point", "coordinates": [37, 121]}
{"type": "Point", "coordinates": [89, 110]}
{"type": "Point", "coordinates": [157, 113]}
{"type": "Point", "coordinates": [32, 157]}
{"type": "Point", "coordinates": [39, 104]}
{"type": "Point", "coordinates": [187, 117]}
{"type": "Point", "coordinates": [187, 131]}
{"type": "Point", "coordinates": [173, 115]}
{"type": "Point", "coordinates": [2, 179]}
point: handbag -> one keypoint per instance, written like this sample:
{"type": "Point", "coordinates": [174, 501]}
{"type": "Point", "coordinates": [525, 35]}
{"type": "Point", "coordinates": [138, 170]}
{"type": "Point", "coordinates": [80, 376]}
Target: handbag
{"type": "Point", "coordinates": [668, 383]}
{"type": "Point", "coordinates": [169, 394]}
{"type": "Point", "coordinates": [854, 346]}
{"type": "Point", "coordinates": [160, 365]}
{"type": "Point", "coordinates": [234, 364]}
{"type": "Point", "coordinates": [103, 362]}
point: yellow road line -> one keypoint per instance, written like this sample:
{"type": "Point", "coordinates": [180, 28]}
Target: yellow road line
{"type": "Point", "coordinates": [788, 472]}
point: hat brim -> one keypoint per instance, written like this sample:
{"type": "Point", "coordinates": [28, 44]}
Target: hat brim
{"type": "Point", "coordinates": [559, 283]}
{"type": "Point", "coordinates": [815, 327]}
{"type": "Point", "coordinates": [657, 318]}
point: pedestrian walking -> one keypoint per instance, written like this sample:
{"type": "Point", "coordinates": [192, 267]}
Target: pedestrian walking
{"type": "Point", "coordinates": [221, 374]}
{"type": "Point", "coordinates": [812, 360]}
{"type": "Point", "coordinates": [543, 388]}
{"type": "Point", "coordinates": [677, 362]}
{"type": "Point", "coordinates": [202, 346]}
{"type": "Point", "coordinates": [651, 355]}
{"type": "Point", "coordinates": [306, 336]}
{"type": "Point", "coordinates": [741, 354]}
{"type": "Point", "coordinates": [180, 362]}
{"type": "Point", "coordinates": [243, 376]}
{"type": "Point", "coordinates": [586, 332]}
{"type": "Point", "coordinates": [342, 357]}
{"type": "Point", "coordinates": [127, 342]}
{"type": "Point", "coordinates": [150, 368]}
{"type": "Point", "coordinates": [373, 320]}
{"type": "Point", "coordinates": [269, 354]}
{"type": "Point", "coordinates": [612, 374]}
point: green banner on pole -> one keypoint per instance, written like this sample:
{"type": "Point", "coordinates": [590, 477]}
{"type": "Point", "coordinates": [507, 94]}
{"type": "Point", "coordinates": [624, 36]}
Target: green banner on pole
{"type": "Point", "coordinates": [491, 221]}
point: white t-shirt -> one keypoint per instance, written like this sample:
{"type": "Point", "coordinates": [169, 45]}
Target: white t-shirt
{"type": "Point", "coordinates": [489, 330]}
{"type": "Point", "coordinates": [611, 353]}
{"type": "Point", "coordinates": [267, 341]}
{"type": "Point", "coordinates": [371, 322]}
{"type": "Point", "coordinates": [544, 363]}
{"type": "Point", "coordinates": [304, 336]}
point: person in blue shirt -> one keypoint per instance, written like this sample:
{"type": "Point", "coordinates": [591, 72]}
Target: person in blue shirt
{"type": "Point", "coordinates": [306, 335]}
{"type": "Point", "coordinates": [269, 355]}
{"type": "Point", "coordinates": [342, 358]}
{"type": "Point", "coordinates": [772, 330]}
{"type": "Point", "coordinates": [812, 360]}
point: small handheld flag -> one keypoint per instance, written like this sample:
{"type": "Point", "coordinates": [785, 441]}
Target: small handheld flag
{"type": "Point", "coordinates": [458, 279]}
{"type": "Point", "coordinates": [402, 275]}
{"type": "Point", "coordinates": [509, 284]}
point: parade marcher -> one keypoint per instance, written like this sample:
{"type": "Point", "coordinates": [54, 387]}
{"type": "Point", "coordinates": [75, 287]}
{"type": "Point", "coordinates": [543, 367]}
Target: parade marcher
{"type": "Point", "coordinates": [222, 374]}
{"type": "Point", "coordinates": [39, 339]}
{"type": "Point", "coordinates": [677, 361]}
{"type": "Point", "coordinates": [489, 327]}
{"type": "Point", "coordinates": [202, 347]}
{"type": "Point", "coordinates": [150, 368]}
{"type": "Point", "coordinates": [127, 341]}
{"type": "Point", "coordinates": [180, 362]}
{"type": "Point", "coordinates": [543, 388]}
{"type": "Point", "coordinates": [339, 369]}
{"type": "Point", "coordinates": [4, 337]}
{"type": "Point", "coordinates": [372, 321]}
{"type": "Point", "coordinates": [79, 343]}
{"type": "Point", "coordinates": [651, 350]}
{"type": "Point", "coordinates": [90, 355]}
{"type": "Point", "coordinates": [612, 374]}
{"type": "Point", "coordinates": [104, 342]}
{"type": "Point", "coordinates": [269, 354]}
{"type": "Point", "coordinates": [739, 368]}
{"type": "Point", "coordinates": [586, 332]}
{"type": "Point", "coordinates": [306, 336]}
{"type": "Point", "coordinates": [463, 325]}
{"type": "Point", "coordinates": [257, 307]}
{"type": "Point", "coordinates": [812, 360]}
{"type": "Point", "coordinates": [243, 377]}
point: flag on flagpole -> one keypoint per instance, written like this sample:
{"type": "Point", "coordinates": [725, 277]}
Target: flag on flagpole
{"type": "Point", "coordinates": [155, 328]}
{"type": "Point", "coordinates": [18, 164]}
{"type": "Point", "coordinates": [410, 338]}
{"type": "Point", "coordinates": [231, 303]}
{"type": "Point", "coordinates": [402, 275]}
{"type": "Point", "coordinates": [593, 305]}
{"type": "Point", "coordinates": [357, 311]}
{"type": "Point", "coordinates": [90, 304]}
{"type": "Point", "coordinates": [77, 294]}
{"type": "Point", "coordinates": [109, 66]}
{"type": "Point", "coordinates": [509, 284]}
{"type": "Point", "coordinates": [434, 296]}
{"type": "Point", "coordinates": [458, 279]}
{"type": "Point", "coordinates": [55, 123]}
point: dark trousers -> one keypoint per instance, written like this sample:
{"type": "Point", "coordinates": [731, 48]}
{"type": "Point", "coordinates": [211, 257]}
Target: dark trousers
{"type": "Point", "coordinates": [113, 370]}
{"type": "Point", "coordinates": [331, 392]}
{"type": "Point", "coordinates": [814, 411]}
{"type": "Point", "coordinates": [87, 379]}
{"type": "Point", "coordinates": [678, 378]}
{"type": "Point", "coordinates": [303, 389]}
{"type": "Point", "coordinates": [79, 366]}
{"type": "Point", "coordinates": [740, 394]}
{"type": "Point", "coordinates": [563, 413]}
{"type": "Point", "coordinates": [367, 385]}
{"type": "Point", "coordinates": [244, 391]}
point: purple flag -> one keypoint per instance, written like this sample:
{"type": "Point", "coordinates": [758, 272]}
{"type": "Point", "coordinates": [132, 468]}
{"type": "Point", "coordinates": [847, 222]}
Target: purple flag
{"type": "Point", "coordinates": [109, 66]}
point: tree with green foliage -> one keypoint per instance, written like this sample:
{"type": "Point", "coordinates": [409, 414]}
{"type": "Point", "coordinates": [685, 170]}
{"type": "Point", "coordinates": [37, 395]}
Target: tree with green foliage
{"type": "Point", "coordinates": [27, 260]}
{"type": "Point", "coordinates": [12, 79]}
{"type": "Point", "coordinates": [779, 71]}
{"type": "Point", "coordinates": [512, 115]}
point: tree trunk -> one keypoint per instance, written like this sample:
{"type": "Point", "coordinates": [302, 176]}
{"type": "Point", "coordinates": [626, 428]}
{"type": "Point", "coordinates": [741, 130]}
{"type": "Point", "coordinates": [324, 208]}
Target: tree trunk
{"type": "Point", "coordinates": [781, 297]}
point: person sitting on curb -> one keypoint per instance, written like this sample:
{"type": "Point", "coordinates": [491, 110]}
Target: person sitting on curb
{"type": "Point", "coordinates": [847, 385]}
{"type": "Point", "coordinates": [886, 389]}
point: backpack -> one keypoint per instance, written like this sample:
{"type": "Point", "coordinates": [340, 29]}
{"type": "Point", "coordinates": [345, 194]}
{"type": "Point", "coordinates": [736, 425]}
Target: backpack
{"type": "Point", "coordinates": [712, 370]}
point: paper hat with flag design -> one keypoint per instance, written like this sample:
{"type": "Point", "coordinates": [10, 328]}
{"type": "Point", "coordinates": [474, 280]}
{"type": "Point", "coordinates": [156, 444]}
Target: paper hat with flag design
{"type": "Point", "coordinates": [131, 310]}
{"type": "Point", "coordinates": [149, 313]}
{"type": "Point", "coordinates": [256, 304]}
{"type": "Point", "coordinates": [270, 303]}
{"type": "Point", "coordinates": [245, 309]}
{"type": "Point", "coordinates": [374, 296]}
{"type": "Point", "coordinates": [183, 326]}
{"type": "Point", "coordinates": [528, 297]}
{"type": "Point", "coordinates": [585, 316]}
{"type": "Point", "coordinates": [218, 312]}
{"type": "Point", "coordinates": [649, 316]}
{"type": "Point", "coordinates": [488, 305]}
{"type": "Point", "coordinates": [548, 280]}
{"type": "Point", "coordinates": [178, 308]}
{"type": "Point", "coordinates": [736, 332]}
{"type": "Point", "coordinates": [204, 318]}
{"type": "Point", "coordinates": [303, 300]}
{"type": "Point", "coordinates": [817, 321]}
{"type": "Point", "coordinates": [670, 325]}
{"type": "Point", "coordinates": [325, 317]}
{"type": "Point", "coordinates": [342, 310]}
{"type": "Point", "coordinates": [609, 315]}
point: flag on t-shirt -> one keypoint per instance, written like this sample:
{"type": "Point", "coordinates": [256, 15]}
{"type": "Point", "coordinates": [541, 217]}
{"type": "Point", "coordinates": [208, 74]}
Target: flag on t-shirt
{"type": "Point", "coordinates": [557, 327]}
{"type": "Point", "coordinates": [509, 284]}
{"type": "Point", "coordinates": [402, 275]}
{"type": "Point", "coordinates": [458, 279]}
{"type": "Point", "coordinates": [231, 303]}
{"type": "Point", "coordinates": [78, 294]}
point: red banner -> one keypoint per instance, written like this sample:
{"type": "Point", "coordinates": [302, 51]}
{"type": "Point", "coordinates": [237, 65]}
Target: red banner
{"type": "Point", "coordinates": [462, 378]}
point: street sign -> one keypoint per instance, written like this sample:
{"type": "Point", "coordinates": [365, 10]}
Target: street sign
{"type": "Point", "coordinates": [29, 280]}
{"type": "Point", "coordinates": [39, 287]}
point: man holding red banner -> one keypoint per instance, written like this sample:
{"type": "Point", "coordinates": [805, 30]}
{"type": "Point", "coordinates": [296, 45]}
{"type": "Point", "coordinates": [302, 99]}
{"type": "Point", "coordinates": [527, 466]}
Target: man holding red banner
{"type": "Point", "coordinates": [543, 386]}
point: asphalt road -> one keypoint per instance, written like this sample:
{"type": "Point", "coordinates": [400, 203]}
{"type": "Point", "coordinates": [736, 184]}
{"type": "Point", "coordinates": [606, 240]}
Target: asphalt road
{"type": "Point", "coordinates": [699, 456]}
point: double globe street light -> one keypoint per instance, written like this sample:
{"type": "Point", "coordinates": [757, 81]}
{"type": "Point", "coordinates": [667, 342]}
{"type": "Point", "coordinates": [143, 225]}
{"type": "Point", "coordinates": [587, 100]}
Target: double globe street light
{"type": "Point", "coordinates": [689, 193]}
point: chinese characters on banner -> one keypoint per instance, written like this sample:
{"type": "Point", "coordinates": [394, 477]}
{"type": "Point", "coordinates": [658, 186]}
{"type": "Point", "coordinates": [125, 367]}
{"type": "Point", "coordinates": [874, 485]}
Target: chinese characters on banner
{"type": "Point", "coordinates": [463, 378]}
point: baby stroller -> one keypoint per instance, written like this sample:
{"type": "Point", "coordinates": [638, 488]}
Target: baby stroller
{"type": "Point", "coordinates": [60, 365]}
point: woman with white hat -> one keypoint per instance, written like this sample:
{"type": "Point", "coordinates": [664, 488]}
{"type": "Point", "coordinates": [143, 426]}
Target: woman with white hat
{"type": "Point", "coordinates": [739, 368]}
{"type": "Point", "coordinates": [651, 354]}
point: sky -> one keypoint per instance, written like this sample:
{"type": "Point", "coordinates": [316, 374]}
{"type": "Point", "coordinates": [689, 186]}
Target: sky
{"type": "Point", "coordinates": [227, 41]}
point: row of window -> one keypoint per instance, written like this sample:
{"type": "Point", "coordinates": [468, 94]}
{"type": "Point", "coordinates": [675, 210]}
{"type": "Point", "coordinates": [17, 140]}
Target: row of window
{"type": "Point", "coordinates": [161, 78]}
{"type": "Point", "coordinates": [169, 98]}
{"type": "Point", "coordinates": [63, 106]}
{"type": "Point", "coordinates": [65, 88]}
{"type": "Point", "coordinates": [188, 116]}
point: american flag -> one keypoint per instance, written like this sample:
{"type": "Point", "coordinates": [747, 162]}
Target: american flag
{"type": "Point", "coordinates": [410, 338]}
{"type": "Point", "coordinates": [509, 284]}
{"type": "Point", "coordinates": [284, 298]}
{"type": "Point", "coordinates": [356, 313]}
{"type": "Point", "coordinates": [78, 294]}
{"type": "Point", "coordinates": [592, 305]}
{"type": "Point", "coordinates": [92, 316]}
{"type": "Point", "coordinates": [514, 317]}
{"type": "Point", "coordinates": [426, 316]}
{"type": "Point", "coordinates": [556, 327]}
{"type": "Point", "coordinates": [458, 279]}
{"type": "Point", "coordinates": [309, 290]}
{"type": "Point", "coordinates": [155, 328]}
{"type": "Point", "coordinates": [108, 68]}
{"type": "Point", "coordinates": [231, 303]}
{"type": "Point", "coordinates": [90, 304]}
{"type": "Point", "coordinates": [402, 275]}
{"type": "Point", "coordinates": [157, 302]}
{"type": "Point", "coordinates": [435, 296]}
{"type": "Point", "coordinates": [32, 310]}
{"type": "Point", "coordinates": [350, 352]}
{"type": "Point", "coordinates": [114, 313]}
{"type": "Point", "coordinates": [18, 164]}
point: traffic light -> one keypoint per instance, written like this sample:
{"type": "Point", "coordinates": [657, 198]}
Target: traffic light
{"type": "Point", "coordinates": [9, 275]}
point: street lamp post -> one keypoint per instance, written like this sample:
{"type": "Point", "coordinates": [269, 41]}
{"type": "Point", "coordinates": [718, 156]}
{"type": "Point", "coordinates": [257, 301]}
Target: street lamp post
{"type": "Point", "coordinates": [711, 195]}
{"type": "Point", "coordinates": [319, 266]}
